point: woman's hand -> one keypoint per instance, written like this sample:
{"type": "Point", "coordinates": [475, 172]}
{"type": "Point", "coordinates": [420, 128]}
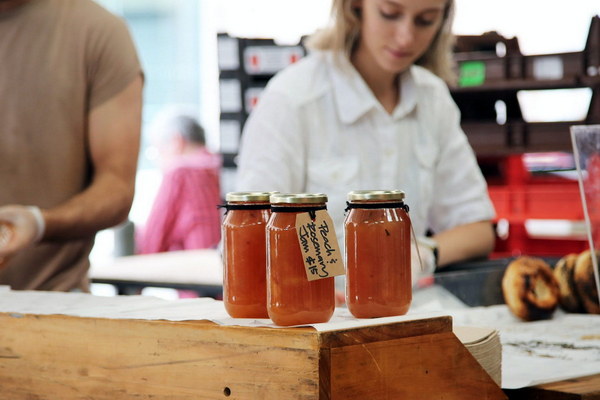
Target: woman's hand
{"type": "Point", "coordinates": [422, 262]}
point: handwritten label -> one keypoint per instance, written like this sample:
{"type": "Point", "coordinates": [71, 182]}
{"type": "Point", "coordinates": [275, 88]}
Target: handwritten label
{"type": "Point", "coordinates": [319, 246]}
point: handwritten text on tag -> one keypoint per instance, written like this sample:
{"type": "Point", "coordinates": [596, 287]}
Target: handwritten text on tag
{"type": "Point", "coordinates": [318, 245]}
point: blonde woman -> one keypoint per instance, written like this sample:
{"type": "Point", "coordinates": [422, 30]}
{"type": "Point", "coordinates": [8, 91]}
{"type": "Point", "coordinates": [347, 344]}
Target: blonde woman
{"type": "Point", "coordinates": [369, 109]}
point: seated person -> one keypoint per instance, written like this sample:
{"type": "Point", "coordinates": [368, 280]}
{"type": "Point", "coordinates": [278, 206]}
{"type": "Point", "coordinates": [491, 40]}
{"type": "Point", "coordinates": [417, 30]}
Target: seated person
{"type": "Point", "coordinates": [184, 214]}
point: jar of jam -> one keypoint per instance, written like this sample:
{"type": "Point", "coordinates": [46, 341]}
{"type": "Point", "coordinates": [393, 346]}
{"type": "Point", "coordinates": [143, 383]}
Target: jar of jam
{"type": "Point", "coordinates": [291, 298]}
{"type": "Point", "coordinates": [377, 246]}
{"type": "Point", "coordinates": [245, 254]}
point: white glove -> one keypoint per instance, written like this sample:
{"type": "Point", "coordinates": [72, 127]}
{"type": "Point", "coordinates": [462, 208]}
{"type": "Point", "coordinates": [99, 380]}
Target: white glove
{"type": "Point", "coordinates": [20, 227]}
{"type": "Point", "coordinates": [422, 269]}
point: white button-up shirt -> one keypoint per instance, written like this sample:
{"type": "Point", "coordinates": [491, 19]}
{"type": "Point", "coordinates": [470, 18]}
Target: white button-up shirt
{"type": "Point", "coordinates": [318, 128]}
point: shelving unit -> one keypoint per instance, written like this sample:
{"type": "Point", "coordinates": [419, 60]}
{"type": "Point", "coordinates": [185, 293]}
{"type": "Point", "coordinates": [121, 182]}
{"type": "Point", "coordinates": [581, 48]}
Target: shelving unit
{"type": "Point", "coordinates": [245, 67]}
{"type": "Point", "coordinates": [486, 78]}
{"type": "Point", "coordinates": [492, 70]}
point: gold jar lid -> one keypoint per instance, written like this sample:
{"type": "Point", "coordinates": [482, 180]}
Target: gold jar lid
{"type": "Point", "coordinates": [248, 196]}
{"type": "Point", "coordinates": [298, 198]}
{"type": "Point", "coordinates": [385, 195]}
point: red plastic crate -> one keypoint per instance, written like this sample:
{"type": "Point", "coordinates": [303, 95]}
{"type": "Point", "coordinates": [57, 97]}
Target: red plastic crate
{"type": "Point", "coordinates": [519, 195]}
{"type": "Point", "coordinates": [551, 201]}
{"type": "Point", "coordinates": [519, 243]}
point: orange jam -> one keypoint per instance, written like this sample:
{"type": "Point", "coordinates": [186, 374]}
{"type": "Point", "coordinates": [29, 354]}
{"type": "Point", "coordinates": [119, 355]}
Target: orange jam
{"type": "Point", "coordinates": [291, 298]}
{"type": "Point", "coordinates": [377, 246]}
{"type": "Point", "coordinates": [245, 254]}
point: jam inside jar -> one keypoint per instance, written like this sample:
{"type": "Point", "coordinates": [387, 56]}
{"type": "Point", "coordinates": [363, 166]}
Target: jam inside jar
{"type": "Point", "coordinates": [245, 254]}
{"type": "Point", "coordinates": [291, 298]}
{"type": "Point", "coordinates": [377, 246]}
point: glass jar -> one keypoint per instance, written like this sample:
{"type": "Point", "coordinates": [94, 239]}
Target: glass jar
{"type": "Point", "coordinates": [377, 247]}
{"type": "Point", "coordinates": [245, 254]}
{"type": "Point", "coordinates": [291, 298]}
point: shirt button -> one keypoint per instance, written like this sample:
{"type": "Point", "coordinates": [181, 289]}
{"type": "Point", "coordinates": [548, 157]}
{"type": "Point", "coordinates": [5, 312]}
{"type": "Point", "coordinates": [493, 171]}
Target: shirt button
{"type": "Point", "coordinates": [388, 153]}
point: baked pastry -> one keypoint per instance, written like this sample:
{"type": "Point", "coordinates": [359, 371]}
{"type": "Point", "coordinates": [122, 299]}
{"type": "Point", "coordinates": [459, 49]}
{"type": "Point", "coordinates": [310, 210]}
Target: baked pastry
{"type": "Point", "coordinates": [586, 283]}
{"type": "Point", "coordinates": [564, 273]}
{"type": "Point", "coordinates": [530, 289]}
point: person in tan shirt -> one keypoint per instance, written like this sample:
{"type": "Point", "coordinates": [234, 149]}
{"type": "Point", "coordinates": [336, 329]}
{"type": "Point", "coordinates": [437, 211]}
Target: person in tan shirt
{"type": "Point", "coordinates": [71, 86]}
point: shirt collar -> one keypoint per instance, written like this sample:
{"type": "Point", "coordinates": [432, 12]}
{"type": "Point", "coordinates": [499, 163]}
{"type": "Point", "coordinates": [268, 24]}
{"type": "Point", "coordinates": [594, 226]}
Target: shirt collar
{"type": "Point", "coordinates": [354, 98]}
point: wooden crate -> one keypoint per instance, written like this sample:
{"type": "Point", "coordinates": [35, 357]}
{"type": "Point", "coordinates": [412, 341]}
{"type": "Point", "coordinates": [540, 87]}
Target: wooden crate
{"type": "Point", "coordinates": [64, 357]}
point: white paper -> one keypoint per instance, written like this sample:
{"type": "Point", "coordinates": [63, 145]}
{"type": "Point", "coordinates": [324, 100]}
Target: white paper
{"type": "Point", "coordinates": [151, 308]}
{"type": "Point", "coordinates": [228, 53]}
{"type": "Point", "coordinates": [231, 131]}
{"type": "Point", "coordinates": [230, 91]}
{"type": "Point", "coordinates": [566, 346]}
{"type": "Point", "coordinates": [270, 59]}
{"type": "Point", "coordinates": [547, 67]}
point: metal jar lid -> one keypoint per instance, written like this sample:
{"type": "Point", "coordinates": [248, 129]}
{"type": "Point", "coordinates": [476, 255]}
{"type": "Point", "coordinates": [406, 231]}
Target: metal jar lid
{"type": "Point", "coordinates": [376, 195]}
{"type": "Point", "coordinates": [298, 198]}
{"type": "Point", "coordinates": [248, 196]}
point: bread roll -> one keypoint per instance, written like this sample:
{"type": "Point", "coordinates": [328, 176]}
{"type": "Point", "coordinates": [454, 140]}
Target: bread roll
{"type": "Point", "coordinates": [530, 289]}
{"type": "Point", "coordinates": [586, 283]}
{"type": "Point", "coordinates": [564, 272]}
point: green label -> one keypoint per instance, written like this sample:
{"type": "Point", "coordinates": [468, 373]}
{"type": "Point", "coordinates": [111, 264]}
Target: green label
{"type": "Point", "coordinates": [471, 73]}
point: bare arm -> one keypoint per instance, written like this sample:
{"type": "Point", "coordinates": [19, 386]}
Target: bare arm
{"type": "Point", "coordinates": [465, 242]}
{"type": "Point", "coordinates": [114, 138]}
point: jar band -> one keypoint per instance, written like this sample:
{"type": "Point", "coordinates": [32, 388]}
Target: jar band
{"type": "Point", "coordinates": [397, 204]}
{"type": "Point", "coordinates": [229, 207]}
{"type": "Point", "coordinates": [310, 210]}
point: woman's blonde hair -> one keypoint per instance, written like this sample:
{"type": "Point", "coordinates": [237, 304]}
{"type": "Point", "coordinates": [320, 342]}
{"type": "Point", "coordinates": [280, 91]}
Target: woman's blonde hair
{"type": "Point", "coordinates": [344, 31]}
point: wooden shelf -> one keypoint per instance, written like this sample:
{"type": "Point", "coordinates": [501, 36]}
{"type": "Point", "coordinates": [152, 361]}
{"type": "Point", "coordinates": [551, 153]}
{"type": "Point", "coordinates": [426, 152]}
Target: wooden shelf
{"type": "Point", "coordinates": [491, 139]}
{"type": "Point", "coordinates": [496, 78]}
{"type": "Point", "coordinates": [514, 85]}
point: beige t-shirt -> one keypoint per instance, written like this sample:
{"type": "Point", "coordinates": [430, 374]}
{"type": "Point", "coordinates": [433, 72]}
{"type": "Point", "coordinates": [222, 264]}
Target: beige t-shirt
{"type": "Point", "coordinates": [59, 60]}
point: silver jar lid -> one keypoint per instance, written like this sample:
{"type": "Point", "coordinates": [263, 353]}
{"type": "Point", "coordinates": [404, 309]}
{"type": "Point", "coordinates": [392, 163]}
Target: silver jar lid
{"type": "Point", "coordinates": [298, 198]}
{"type": "Point", "coordinates": [385, 195]}
{"type": "Point", "coordinates": [248, 196]}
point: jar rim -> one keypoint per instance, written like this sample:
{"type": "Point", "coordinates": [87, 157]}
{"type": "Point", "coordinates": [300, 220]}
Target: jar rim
{"type": "Point", "coordinates": [357, 195]}
{"type": "Point", "coordinates": [248, 196]}
{"type": "Point", "coordinates": [298, 198]}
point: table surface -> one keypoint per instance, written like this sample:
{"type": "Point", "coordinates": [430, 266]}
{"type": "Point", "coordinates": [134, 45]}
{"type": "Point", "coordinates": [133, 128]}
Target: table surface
{"type": "Point", "coordinates": [199, 270]}
{"type": "Point", "coordinates": [203, 268]}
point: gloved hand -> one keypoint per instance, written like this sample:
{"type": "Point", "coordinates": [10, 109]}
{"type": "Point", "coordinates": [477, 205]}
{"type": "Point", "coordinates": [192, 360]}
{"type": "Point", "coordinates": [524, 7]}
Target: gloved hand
{"type": "Point", "coordinates": [20, 227]}
{"type": "Point", "coordinates": [422, 269]}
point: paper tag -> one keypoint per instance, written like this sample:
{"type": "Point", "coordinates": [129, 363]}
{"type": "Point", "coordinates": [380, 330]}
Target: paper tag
{"type": "Point", "coordinates": [231, 131]}
{"type": "Point", "coordinates": [270, 59]}
{"type": "Point", "coordinates": [319, 246]}
{"type": "Point", "coordinates": [548, 67]}
{"type": "Point", "coordinates": [230, 95]}
{"type": "Point", "coordinates": [228, 57]}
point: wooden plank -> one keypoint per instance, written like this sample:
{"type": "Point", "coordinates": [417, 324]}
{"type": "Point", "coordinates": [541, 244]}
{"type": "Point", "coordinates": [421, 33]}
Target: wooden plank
{"type": "Point", "coordinates": [57, 357]}
{"type": "Point", "coordinates": [433, 366]}
{"type": "Point", "coordinates": [584, 388]}
{"type": "Point", "coordinates": [61, 357]}
{"type": "Point", "coordinates": [378, 333]}
{"type": "Point", "coordinates": [587, 387]}
{"type": "Point", "coordinates": [370, 334]}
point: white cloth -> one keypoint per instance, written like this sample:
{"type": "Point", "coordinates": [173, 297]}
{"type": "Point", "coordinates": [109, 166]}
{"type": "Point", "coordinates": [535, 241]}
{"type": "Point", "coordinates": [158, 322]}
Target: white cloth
{"type": "Point", "coordinates": [319, 128]}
